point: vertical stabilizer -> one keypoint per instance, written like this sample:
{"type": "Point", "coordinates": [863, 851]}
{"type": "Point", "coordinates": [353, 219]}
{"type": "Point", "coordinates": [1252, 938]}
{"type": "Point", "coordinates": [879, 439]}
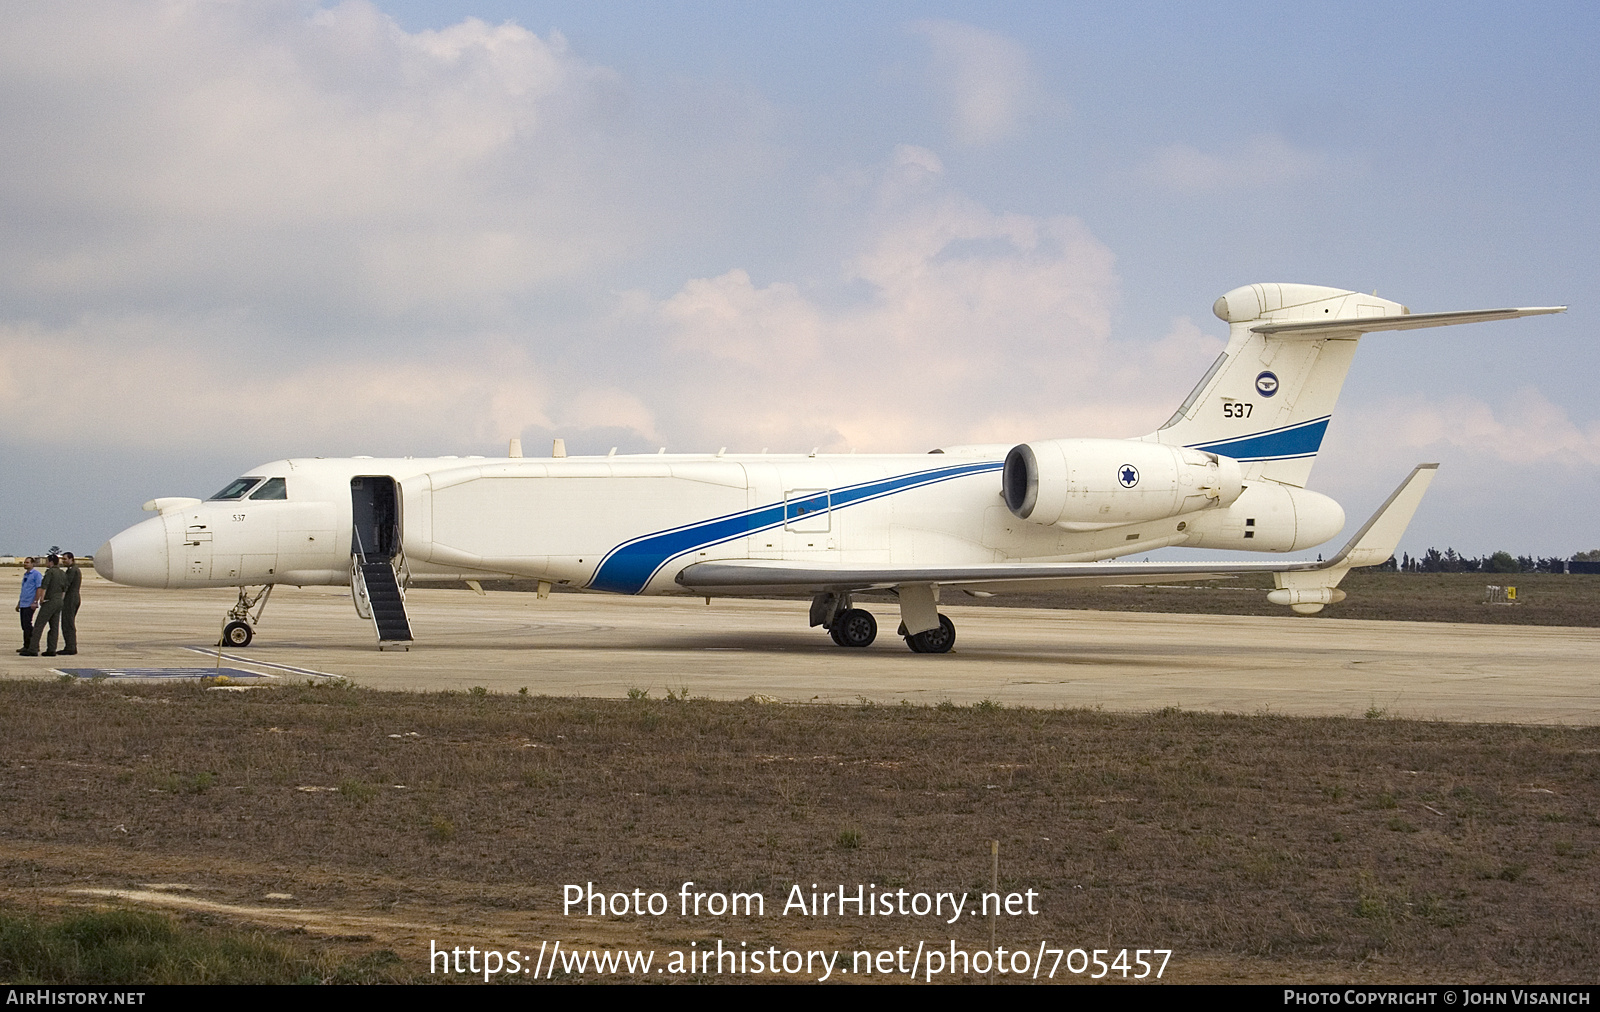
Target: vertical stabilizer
{"type": "Point", "coordinates": [1268, 398]}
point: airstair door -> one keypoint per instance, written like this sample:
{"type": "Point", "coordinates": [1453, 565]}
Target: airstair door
{"type": "Point", "coordinates": [375, 517]}
{"type": "Point", "coordinates": [374, 545]}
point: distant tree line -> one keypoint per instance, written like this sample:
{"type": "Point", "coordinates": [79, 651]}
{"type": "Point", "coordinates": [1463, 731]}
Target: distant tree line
{"type": "Point", "coordinates": [1451, 561]}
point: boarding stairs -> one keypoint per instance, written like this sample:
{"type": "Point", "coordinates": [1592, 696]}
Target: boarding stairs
{"type": "Point", "coordinates": [375, 587]}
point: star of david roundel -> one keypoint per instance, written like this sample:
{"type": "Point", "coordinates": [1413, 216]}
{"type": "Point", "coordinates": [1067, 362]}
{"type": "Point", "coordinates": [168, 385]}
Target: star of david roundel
{"type": "Point", "coordinates": [1128, 475]}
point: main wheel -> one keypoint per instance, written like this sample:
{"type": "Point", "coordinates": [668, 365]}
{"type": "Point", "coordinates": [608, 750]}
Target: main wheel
{"type": "Point", "coordinates": [237, 634]}
{"type": "Point", "coordinates": [855, 628]}
{"type": "Point", "coordinates": [934, 641]}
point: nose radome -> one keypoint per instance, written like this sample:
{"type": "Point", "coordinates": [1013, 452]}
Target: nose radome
{"type": "Point", "coordinates": [137, 557]}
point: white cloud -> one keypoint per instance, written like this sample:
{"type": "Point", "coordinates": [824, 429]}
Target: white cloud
{"type": "Point", "coordinates": [1263, 160]}
{"type": "Point", "coordinates": [951, 322]}
{"type": "Point", "coordinates": [976, 326]}
{"type": "Point", "coordinates": [1517, 474]}
{"type": "Point", "coordinates": [178, 153]}
{"type": "Point", "coordinates": [1526, 429]}
{"type": "Point", "coordinates": [985, 76]}
{"type": "Point", "coordinates": [333, 226]}
{"type": "Point", "coordinates": [137, 383]}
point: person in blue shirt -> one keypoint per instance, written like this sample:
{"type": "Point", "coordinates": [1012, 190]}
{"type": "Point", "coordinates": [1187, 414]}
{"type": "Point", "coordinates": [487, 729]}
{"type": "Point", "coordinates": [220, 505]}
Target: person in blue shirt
{"type": "Point", "coordinates": [32, 590]}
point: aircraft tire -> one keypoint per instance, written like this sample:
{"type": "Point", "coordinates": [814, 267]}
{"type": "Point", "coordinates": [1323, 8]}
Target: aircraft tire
{"type": "Point", "coordinates": [833, 634]}
{"type": "Point", "coordinates": [855, 628]}
{"type": "Point", "coordinates": [237, 634]}
{"type": "Point", "coordinates": [934, 641]}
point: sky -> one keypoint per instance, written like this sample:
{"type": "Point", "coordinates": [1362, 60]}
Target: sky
{"type": "Point", "coordinates": [235, 232]}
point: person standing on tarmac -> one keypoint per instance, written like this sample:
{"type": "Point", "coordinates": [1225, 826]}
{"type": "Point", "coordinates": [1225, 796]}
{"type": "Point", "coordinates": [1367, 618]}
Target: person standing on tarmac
{"type": "Point", "coordinates": [54, 587]}
{"type": "Point", "coordinates": [69, 606]}
{"type": "Point", "coordinates": [28, 600]}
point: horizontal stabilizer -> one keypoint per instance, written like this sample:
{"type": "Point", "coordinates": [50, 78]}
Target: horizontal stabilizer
{"type": "Point", "coordinates": [1410, 321]}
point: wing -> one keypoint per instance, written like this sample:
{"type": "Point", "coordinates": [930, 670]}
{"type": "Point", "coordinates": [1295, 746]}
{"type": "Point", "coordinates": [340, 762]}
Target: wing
{"type": "Point", "coordinates": [1372, 545]}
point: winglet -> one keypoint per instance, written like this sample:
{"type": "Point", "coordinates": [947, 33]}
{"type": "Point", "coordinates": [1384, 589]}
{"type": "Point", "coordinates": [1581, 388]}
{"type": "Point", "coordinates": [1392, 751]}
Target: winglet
{"type": "Point", "coordinates": [1376, 541]}
{"type": "Point", "coordinates": [1307, 590]}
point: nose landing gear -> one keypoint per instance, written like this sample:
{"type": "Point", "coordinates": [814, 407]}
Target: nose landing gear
{"type": "Point", "coordinates": [240, 629]}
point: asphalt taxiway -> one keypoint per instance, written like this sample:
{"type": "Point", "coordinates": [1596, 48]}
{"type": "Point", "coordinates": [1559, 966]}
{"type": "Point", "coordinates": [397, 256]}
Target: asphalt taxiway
{"type": "Point", "coordinates": [572, 644]}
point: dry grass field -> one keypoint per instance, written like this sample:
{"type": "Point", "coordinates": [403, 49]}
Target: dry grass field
{"type": "Point", "coordinates": [1258, 848]}
{"type": "Point", "coordinates": [1542, 598]}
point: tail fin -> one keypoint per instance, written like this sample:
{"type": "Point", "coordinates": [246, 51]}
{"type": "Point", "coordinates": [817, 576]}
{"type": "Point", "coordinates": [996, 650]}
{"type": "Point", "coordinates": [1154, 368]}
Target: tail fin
{"type": "Point", "coordinates": [1268, 398]}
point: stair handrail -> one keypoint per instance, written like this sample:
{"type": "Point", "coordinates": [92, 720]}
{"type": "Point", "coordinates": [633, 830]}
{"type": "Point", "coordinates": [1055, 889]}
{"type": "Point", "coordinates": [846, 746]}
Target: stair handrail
{"type": "Point", "coordinates": [358, 581]}
{"type": "Point", "coordinates": [402, 568]}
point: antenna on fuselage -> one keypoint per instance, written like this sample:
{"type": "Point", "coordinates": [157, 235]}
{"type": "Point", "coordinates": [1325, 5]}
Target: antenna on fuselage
{"type": "Point", "coordinates": [516, 448]}
{"type": "Point", "coordinates": [558, 447]}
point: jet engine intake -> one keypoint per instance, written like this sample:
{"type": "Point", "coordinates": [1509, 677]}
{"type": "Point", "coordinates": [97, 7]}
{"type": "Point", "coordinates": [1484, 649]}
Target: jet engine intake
{"type": "Point", "coordinates": [1108, 482]}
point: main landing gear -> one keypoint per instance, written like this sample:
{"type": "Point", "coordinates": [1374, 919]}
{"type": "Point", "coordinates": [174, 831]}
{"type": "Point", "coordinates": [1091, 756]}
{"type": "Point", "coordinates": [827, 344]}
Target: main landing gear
{"type": "Point", "coordinates": [933, 641]}
{"type": "Point", "coordinates": [240, 629]}
{"type": "Point", "coordinates": [850, 626]}
{"type": "Point", "coordinates": [854, 627]}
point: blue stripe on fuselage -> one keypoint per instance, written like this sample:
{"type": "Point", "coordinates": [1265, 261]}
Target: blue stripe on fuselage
{"type": "Point", "coordinates": [629, 567]}
{"type": "Point", "coordinates": [1300, 440]}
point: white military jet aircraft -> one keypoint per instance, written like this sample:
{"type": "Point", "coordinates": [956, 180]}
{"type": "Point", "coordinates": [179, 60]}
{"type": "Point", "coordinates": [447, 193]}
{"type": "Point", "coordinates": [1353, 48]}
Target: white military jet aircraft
{"type": "Point", "coordinates": [1227, 471]}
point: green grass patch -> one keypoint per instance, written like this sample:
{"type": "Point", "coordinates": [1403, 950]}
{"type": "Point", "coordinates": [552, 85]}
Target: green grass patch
{"type": "Point", "coordinates": [133, 947]}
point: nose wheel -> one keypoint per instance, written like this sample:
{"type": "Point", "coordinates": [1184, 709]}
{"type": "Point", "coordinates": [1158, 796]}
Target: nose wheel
{"type": "Point", "coordinates": [244, 616]}
{"type": "Point", "coordinates": [237, 634]}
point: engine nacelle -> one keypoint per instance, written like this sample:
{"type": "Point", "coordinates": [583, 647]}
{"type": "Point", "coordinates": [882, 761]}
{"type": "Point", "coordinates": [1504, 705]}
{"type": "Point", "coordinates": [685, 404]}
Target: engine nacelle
{"type": "Point", "coordinates": [1269, 517]}
{"type": "Point", "coordinates": [1092, 483]}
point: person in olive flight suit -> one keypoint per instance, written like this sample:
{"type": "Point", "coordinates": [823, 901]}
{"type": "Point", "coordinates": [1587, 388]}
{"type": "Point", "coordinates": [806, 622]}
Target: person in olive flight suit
{"type": "Point", "coordinates": [69, 607]}
{"type": "Point", "coordinates": [55, 596]}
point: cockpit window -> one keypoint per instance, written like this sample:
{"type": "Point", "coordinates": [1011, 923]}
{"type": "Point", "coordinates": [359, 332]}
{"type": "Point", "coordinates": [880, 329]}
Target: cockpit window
{"type": "Point", "coordinates": [272, 488]}
{"type": "Point", "coordinates": [236, 488]}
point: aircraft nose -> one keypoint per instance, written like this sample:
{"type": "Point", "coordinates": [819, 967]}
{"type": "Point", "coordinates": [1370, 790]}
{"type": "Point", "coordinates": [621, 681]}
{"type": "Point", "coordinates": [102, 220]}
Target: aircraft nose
{"type": "Point", "coordinates": [137, 557]}
{"type": "Point", "coordinates": [102, 562]}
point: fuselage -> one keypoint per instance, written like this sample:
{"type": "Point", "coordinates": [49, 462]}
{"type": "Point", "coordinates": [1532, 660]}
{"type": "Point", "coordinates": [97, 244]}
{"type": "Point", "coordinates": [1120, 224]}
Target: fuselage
{"type": "Point", "coordinates": [628, 524]}
{"type": "Point", "coordinates": [1226, 471]}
